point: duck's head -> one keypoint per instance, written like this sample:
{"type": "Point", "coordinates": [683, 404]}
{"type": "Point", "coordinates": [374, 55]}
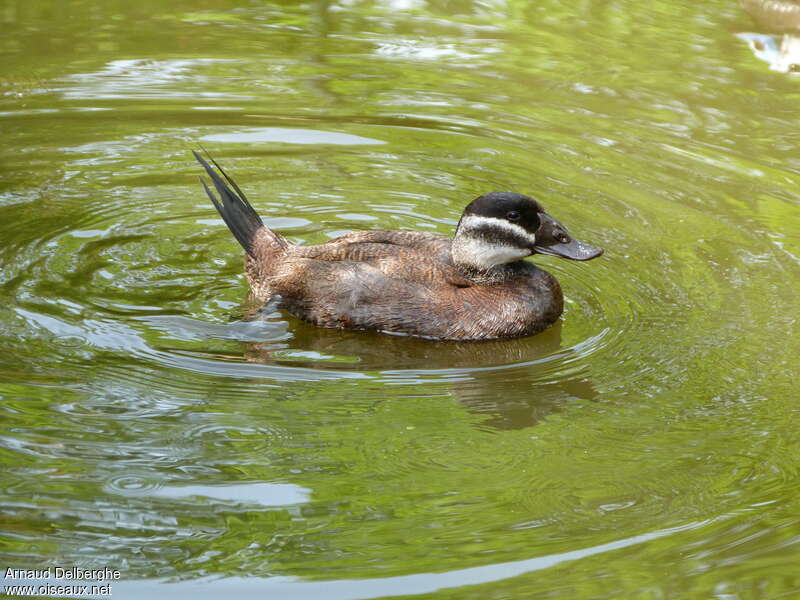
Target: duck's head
{"type": "Point", "coordinates": [503, 227]}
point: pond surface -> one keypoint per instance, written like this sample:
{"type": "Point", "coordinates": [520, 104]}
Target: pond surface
{"type": "Point", "coordinates": [645, 447]}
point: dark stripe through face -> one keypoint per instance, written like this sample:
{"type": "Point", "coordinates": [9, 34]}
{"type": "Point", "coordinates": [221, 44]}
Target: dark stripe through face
{"type": "Point", "coordinates": [497, 231]}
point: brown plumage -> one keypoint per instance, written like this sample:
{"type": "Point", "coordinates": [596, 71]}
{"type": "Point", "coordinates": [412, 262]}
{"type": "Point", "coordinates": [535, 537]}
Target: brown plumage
{"type": "Point", "coordinates": [775, 15]}
{"type": "Point", "coordinates": [473, 287]}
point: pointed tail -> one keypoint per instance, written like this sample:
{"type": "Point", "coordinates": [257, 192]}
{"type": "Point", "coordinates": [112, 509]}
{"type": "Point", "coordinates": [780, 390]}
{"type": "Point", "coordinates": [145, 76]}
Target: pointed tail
{"type": "Point", "coordinates": [232, 205]}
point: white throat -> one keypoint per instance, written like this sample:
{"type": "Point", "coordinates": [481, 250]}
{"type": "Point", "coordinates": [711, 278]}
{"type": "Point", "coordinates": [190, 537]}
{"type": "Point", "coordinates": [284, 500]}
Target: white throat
{"type": "Point", "coordinates": [480, 250]}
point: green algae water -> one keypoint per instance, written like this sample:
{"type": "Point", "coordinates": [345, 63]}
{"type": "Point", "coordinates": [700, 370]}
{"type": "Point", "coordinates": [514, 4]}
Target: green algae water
{"type": "Point", "coordinates": [645, 447]}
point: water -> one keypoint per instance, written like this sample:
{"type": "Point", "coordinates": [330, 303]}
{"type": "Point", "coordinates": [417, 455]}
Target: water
{"type": "Point", "coordinates": [644, 447]}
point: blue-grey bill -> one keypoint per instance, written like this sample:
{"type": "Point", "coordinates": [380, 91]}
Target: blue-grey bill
{"type": "Point", "coordinates": [573, 250]}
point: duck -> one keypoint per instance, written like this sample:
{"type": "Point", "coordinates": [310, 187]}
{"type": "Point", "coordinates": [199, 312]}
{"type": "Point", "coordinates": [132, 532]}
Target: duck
{"type": "Point", "coordinates": [782, 52]}
{"type": "Point", "coordinates": [775, 15]}
{"type": "Point", "coordinates": [474, 286]}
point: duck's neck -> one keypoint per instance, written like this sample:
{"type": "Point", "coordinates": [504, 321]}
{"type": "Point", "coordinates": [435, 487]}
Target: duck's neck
{"type": "Point", "coordinates": [482, 261]}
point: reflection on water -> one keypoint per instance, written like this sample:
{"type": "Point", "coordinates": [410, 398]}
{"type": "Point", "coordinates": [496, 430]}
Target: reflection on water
{"type": "Point", "coordinates": [422, 583]}
{"type": "Point", "coordinates": [265, 494]}
{"type": "Point", "coordinates": [492, 389]}
{"type": "Point", "coordinates": [285, 135]}
{"type": "Point", "coordinates": [644, 447]}
{"type": "Point", "coordinates": [488, 374]}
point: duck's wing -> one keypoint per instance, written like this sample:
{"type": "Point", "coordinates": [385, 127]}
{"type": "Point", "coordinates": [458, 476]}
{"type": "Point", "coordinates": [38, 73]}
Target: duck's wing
{"type": "Point", "coordinates": [434, 246]}
{"type": "Point", "coordinates": [415, 258]}
{"type": "Point", "coordinates": [370, 286]}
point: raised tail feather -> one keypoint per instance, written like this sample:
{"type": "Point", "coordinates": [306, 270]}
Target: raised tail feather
{"type": "Point", "coordinates": [232, 205]}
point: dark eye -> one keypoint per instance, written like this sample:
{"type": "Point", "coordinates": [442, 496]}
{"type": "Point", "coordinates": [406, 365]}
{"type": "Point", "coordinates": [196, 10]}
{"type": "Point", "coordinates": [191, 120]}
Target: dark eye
{"type": "Point", "coordinates": [512, 215]}
{"type": "Point", "coordinates": [562, 237]}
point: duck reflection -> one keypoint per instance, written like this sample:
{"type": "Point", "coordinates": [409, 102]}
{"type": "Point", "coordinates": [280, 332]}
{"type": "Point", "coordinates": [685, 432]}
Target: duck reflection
{"type": "Point", "coordinates": [515, 383]}
{"type": "Point", "coordinates": [779, 43]}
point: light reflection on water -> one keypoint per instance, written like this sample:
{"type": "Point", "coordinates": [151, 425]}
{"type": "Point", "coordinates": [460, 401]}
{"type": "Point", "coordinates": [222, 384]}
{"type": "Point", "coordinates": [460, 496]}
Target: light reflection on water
{"type": "Point", "coordinates": [285, 135]}
{"type": "Point", "coordinates": [422, 583]}
{"type": "Point", "coordinates": [644, 445]}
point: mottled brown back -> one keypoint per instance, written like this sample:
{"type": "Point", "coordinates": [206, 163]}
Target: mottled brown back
{"type": "Point", "coordinates": [400, 282]}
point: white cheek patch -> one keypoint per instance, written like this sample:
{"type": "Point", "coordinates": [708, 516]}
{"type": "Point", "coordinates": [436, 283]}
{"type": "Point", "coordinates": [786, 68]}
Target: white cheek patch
{"type": "Point", "coordinates": [484, 242]}
{"type": "Point", "coordinates": [475, 222]}
{"type": "Point", "coordinates": [483, 255]}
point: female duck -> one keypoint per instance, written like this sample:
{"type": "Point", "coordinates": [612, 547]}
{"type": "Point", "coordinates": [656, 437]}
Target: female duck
{"type": "Point", "coordinates": [473, 287]}
{"type": "Point", "coordinates": [776, 15]}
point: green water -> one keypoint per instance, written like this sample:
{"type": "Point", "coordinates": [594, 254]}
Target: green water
{"type": "Point", "coordinates": [646, 447]}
